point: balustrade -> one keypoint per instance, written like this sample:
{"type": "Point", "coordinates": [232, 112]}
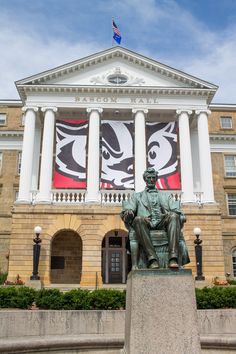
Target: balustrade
{"type": "Point", "coordinates": [75, 196]}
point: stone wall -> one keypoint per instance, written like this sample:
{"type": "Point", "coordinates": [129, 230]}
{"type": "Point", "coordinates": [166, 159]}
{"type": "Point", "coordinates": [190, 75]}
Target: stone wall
{"type": "Point", "coordinates": [98, 331]}
{"type": "Point", "coordinates": [9, 182]}
{"type": "Point", "coordinates": [92, 223]}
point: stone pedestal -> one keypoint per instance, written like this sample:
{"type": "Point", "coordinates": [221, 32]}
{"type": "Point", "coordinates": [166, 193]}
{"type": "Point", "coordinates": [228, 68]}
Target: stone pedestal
{"type": "Point", "coordinates": [161, 315]}
{"type": "Point", "coordinates": [35, 284]}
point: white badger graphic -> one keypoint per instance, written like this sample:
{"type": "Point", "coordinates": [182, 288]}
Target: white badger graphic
{"type": "Point", "coordinates": [162, 147]}
{"type": "Point", "coordinates": [71, 139]}
{"type": "Point", "coordinates": [117, 154]}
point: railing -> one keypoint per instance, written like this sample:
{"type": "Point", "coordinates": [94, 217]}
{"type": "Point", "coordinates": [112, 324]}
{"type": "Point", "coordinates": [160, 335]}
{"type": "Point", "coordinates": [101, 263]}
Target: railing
{"type": "Point", "coordinates": [68, 196]}
{"type": "Point", "coordinates": [114, 196]}
{"type": "Point", "coordinates": [75, 196]}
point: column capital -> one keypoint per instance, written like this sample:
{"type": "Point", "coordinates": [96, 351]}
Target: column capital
{"type": "Point", "coordinates": [206, 111]}
{"type": "Point", "coordinates": [27, 108]}
{"type": "Point", "coordinates": [44, 109]}
{"type": "Point", "coordinates": [180, 111]}
{"type": "Point", "coordinates": [143, 110]}
{"type": "Point", "coordinates": [97, 109]}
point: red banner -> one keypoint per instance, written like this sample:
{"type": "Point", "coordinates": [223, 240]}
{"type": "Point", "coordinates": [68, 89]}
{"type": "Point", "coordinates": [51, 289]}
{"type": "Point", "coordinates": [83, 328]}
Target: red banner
{"type": "Point", "coordinates": [70, 162]}
{"type": "Point", "coordinates": [162, 145]}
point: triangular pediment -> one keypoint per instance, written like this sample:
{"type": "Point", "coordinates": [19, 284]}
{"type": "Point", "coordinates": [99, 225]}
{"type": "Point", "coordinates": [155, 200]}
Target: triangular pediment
{"type": "Point", "coordinates": [117, 67]}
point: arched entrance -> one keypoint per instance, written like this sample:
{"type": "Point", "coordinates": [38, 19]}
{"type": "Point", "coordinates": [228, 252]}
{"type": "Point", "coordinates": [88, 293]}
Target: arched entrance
{"type": "Point", "coordinates": [66, 258]}
{"type": "Point", "coordinates": [115, 262]}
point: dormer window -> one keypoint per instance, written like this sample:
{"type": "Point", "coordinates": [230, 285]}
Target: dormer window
{"type": "Point", "coordinates": [117, 79]}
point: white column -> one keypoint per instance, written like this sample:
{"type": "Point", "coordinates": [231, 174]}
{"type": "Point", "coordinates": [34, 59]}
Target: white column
{"type": "Point", "coordinates": [45, 185]}
{"type": "Point", "coordinates": [205, 157]}
{"type": "Point", "coordinates": [185, 157]}
{"type": "Point", "coordinates": [36, 156]}
{"type": "Point", "coordinates": [139, 147]}
{"type": "Point", "coordinates": [93, 195]}
{"type": "Point", "coordinates": [27, 155]}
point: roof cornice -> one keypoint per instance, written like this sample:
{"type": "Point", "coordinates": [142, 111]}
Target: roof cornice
{"type": "Point", "coordinates": [91, 89]}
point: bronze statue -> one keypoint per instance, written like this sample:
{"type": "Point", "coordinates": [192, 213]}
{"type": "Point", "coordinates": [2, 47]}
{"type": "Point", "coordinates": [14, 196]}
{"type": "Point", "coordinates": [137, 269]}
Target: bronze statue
{"type": "Point", "coordinates": [154, 220]}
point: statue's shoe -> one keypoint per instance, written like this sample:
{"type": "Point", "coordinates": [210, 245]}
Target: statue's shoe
{"type": "Point", "coordinates": [173, 264]}
{"type": "Point", "coordinates": [154, 265]}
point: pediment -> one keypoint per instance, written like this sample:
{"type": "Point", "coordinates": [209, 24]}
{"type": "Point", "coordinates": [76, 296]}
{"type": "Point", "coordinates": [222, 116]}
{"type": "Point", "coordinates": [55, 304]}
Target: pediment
{"type": "Point", "coordinates": [117, 67]}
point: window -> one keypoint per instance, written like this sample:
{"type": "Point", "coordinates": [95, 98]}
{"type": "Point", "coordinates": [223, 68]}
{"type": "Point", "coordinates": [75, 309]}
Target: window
{"type": "Point", "coordinates": [1, 155]}
{"type": "Point", "coordinates": [230, 165]}
{"type": "Point", "coordinates": [232, 203]}
{"type": "Point", "coordinates": [19, 163]}
{"type": "Point", "coordinates": [234, 262]}
{"type": "Point", "coordinates": [3, 118]}
{"type": "Point", "coordinates": [117, 79]}
{"type": "Point", "coordinates": [226, 122]}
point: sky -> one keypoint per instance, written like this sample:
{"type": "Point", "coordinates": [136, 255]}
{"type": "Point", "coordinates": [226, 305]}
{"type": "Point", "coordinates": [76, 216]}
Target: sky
{"type": "Point", "coordinates": [195, 36]}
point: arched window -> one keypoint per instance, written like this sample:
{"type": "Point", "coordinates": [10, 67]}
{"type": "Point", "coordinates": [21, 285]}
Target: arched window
{"type": "Point", "coordinates": [234, 262]}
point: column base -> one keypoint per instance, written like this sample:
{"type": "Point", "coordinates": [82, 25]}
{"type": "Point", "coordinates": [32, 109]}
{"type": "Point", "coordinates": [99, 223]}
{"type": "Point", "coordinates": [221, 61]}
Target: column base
{"type": "Point", "coordinates": [23, 201]}
{"type": "Point", "coordinates": [43, 200]}
{"type": "Point", "coordinates": [93, 198]}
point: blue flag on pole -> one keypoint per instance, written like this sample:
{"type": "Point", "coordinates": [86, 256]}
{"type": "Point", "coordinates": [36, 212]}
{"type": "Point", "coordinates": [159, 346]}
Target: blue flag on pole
{"type": "Point", "coordinates": [116, 32]}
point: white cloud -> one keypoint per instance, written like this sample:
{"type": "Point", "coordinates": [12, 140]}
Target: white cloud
{"type": "Point", "coordinates": [26, 53]}
{"type": "Point", "coordinates": [164, 31]}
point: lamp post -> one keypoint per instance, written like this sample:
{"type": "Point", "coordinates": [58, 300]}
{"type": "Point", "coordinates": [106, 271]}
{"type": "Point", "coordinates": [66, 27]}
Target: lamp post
{"type": "Point", "coordinates": [36, 253]}
{"type": "Point", "coordinates": [198, 253]}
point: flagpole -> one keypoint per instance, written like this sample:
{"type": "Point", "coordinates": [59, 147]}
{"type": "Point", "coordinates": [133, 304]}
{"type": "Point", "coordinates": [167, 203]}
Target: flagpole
{"type": "Point", "coordinates": [112, 31]}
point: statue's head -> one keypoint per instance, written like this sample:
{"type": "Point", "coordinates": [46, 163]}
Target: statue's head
{"type": "Point", "coordinates": [150, 177]}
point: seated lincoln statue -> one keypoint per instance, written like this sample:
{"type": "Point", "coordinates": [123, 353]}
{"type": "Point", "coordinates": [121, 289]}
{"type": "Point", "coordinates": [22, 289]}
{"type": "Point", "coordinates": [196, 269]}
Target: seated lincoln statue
{"type": "Point", "coordinates": [155, 220]}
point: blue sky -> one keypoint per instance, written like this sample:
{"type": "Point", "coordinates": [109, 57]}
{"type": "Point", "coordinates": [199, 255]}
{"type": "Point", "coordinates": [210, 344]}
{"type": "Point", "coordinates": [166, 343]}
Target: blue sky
{"type": "Point", "coordinates": [195, 36]}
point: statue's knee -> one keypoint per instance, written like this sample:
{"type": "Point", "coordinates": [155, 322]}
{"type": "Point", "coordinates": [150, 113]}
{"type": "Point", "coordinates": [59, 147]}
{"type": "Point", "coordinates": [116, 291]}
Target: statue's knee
{"type": "Point", "coordinates": [174, 216]}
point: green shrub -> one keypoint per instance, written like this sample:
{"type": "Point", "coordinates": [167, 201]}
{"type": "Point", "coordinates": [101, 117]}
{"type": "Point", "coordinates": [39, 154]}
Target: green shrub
{"type": "Point", "coordinates": [107, 299]}
{"type": "Point", "coordinates": [16, 297]}
{"type": "Point", "coordinates": [3, 278]}
{"type": "Point", "coordinates": [51, 299]}
{"type": "Point", "coordinates": [216, 297]}
{"type": "Point", "coordinates": [80, 299]}
{"type": "Point", "coordinates": [76, 299]}
{"type": "Point", "coordinates": [103, 299]}
{"type": "Point", "coordinates": [232, 282]}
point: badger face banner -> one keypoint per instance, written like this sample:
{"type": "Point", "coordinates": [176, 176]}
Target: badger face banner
{"type": "Point", "coordinates": [162, 153]}
{"type": "Point", "coordinates": [117, 167]}
{"type": "Point", "coordinates": [70, 163]}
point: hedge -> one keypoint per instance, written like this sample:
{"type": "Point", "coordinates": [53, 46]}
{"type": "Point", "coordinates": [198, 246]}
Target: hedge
{"type": "Point", "coordinates": [216, 297]}
{"type": "Point", "coordinates": [102, 299]}
{"type": "Point", "coordinates": [53, 299]}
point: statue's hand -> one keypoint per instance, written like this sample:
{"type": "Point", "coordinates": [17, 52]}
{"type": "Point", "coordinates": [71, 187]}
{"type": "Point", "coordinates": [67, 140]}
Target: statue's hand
{"type": "Point", "coordinates": [128, 216]}
{"type": "Point", "coordinates": [150, 223]}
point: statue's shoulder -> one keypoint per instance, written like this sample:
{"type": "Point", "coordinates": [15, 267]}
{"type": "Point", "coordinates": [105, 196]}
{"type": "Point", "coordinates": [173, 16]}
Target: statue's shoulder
{"type": "Point", "coordinates": [164, 195]}
{"type": "Point", "coordinates": [137, 195]}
